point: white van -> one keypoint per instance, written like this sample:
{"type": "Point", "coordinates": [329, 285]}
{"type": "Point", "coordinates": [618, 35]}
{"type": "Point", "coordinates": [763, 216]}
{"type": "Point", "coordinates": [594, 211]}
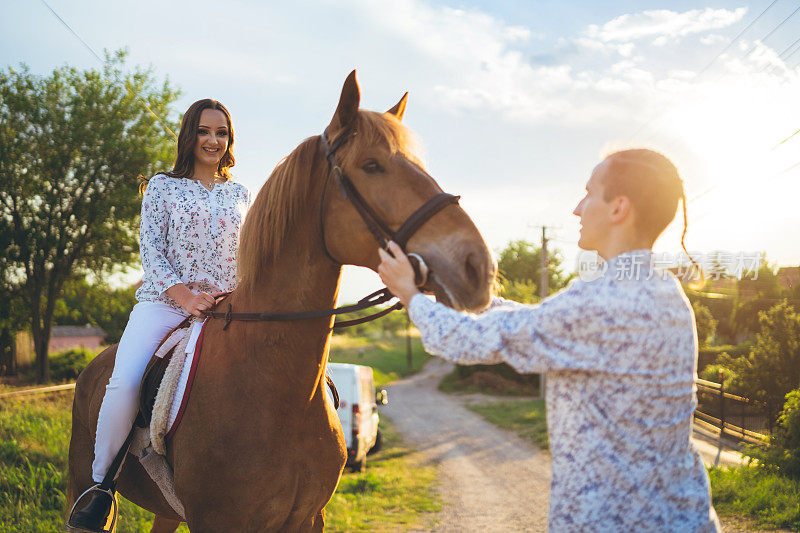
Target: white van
{"type": "Point", "coordinates": [358, 410]}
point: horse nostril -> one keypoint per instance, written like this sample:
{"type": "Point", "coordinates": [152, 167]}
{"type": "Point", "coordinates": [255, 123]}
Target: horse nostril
{"type": "Point", "coordinates": [473, 272]}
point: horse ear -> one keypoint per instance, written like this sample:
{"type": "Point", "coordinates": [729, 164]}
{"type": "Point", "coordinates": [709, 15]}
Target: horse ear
{"type": "Point", "coordinates": [347, 110]}
{"type": "Point", "coordinates": [399, 108]}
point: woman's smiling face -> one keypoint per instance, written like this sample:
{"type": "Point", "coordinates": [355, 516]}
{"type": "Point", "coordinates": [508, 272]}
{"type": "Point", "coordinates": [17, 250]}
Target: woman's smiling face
{"type": "Point", "coordinates": [212, 138]}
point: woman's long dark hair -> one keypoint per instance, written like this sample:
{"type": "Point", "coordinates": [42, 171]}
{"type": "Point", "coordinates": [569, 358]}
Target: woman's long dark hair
{"type": "Point", "coordinates": [187, 138]}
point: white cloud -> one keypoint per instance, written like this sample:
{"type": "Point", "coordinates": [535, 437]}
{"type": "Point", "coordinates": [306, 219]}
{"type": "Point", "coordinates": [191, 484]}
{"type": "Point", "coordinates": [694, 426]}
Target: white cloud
{"type": "Point", "coordinates": [664, 24]}
{"type": "Point", "coordinates": [712, 39]}
{"type": "Point", "coordinates": [478, 63]}
{"type": "Point", "coordinates": [508, 118]}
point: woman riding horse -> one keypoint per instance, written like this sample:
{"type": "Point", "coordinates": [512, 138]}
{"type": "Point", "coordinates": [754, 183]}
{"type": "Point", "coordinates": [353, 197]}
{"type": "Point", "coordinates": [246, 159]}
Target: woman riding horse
{"type": "Point", "coordinates": [189, 238]}
{"type": "Point", "coordinates": [260, 447]}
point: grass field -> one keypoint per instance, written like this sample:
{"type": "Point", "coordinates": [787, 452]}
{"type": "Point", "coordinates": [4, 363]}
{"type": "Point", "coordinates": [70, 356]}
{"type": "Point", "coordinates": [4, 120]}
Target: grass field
{"type": "Point", "coordinates": [527, 418]}
{"type": "Point", "coordinates": [390, 496]}
{"type": "Point", "coordinates": [771, 500]}
{"type": "Point", "coordinates": [34, 436]}
{"type": "Point", "coordinates": [497, 380]}
{"type": "Point", "coordinates": [386, 356]}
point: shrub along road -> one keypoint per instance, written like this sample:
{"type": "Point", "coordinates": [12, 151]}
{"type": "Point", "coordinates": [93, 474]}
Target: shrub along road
{"type": "Point", "coordinates": [490, 479]}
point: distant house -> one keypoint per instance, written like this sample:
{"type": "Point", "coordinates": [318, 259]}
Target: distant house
{"type": "Point", "coordinates": [66, 337]}
{"type": "Point", "coordinates": [22, 354]}
{"type": "Point", "coordinates": [727, 286]}
{"type": "Point", "coordinates": [789, 277]}
{"type": "Point", "coordinates": [748, 290]}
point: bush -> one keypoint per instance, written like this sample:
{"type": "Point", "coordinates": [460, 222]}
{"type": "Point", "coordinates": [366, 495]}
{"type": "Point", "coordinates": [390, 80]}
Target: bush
{"type": "Point", "coordinates": [731, 367]}
{"type": "Point", "coordinates": [499, 379]}
{"type": "Point", "coordinates": [782, 454]}
{"type": "Point", "coordinates": [709, 355]}
{"type": "Point", "coordinates": [705, 322]}
{"type": "Point", "coordinates": [66, 365]}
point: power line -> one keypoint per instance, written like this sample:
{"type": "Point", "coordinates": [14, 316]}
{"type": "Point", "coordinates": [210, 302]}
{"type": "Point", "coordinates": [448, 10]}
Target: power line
{"type": "Point", "coordinates": [770, 33]}
{"type": "Point", "coordinates": [101, 60]}
{"type": "Point", "coordinates": [707, 67]}
{"type": "Point", "coordinates": [783, 55]}
{"type": "Point", "coordinates": [787, 138]}
{"type": "Point", "coordinates": [770, 177]}
{"type": "Point", "coordinates": [676, 140]}
{"type": "Point", "coordinates": [767, 36]}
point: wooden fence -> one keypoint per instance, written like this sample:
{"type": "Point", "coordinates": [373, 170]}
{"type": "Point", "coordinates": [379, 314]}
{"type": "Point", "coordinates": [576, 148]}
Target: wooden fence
{"type": "Point", "coordinates": [721, 411]}
{"type": "Point", "coordinates": [37, 390]}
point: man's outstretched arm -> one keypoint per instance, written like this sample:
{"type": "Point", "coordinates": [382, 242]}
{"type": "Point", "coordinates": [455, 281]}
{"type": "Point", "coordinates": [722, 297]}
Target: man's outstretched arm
{"type": "Point", "coordinates": [549, 336]}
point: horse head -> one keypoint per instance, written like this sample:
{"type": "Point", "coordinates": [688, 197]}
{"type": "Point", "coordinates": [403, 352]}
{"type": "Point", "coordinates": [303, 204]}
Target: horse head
{"type": "Point", "coordinates": [374, 152]}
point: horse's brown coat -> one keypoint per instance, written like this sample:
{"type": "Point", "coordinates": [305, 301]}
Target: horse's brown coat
{"type": "Point", "coordinates": [259, 447]}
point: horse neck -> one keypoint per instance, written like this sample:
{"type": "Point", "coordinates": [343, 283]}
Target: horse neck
{"type": "Point", "coordinates": [302, 278]}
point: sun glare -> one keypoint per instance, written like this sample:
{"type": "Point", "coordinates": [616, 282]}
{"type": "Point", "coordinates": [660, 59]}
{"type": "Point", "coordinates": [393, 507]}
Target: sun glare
{"type": "Point", "coordinates": [723, 139]}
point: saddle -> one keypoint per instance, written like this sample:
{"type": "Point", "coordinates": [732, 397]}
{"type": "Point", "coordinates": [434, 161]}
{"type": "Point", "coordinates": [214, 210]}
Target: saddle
{"type": "Point", "coordinates": [153, 375]}
{"type": "Point", "coordinates": [157, 367]}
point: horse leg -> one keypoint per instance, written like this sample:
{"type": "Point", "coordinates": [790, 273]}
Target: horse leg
{"type": "Point", "coordinates": [81, 453]}
{"type": "Point", "coordinates": [319, 523]}
{"type": "Point", "coordinates": [162, 524]}
{"type": "Point", "coordinates": [316, 524]}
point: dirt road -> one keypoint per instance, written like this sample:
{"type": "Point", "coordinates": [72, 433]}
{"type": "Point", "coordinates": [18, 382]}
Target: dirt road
{"type": "Point", "coordinates": [490, 480]}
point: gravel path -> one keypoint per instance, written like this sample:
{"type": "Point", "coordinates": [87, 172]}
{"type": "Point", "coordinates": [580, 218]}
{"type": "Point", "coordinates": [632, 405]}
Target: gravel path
{"type": "Point", "coordinates": [490, 480]}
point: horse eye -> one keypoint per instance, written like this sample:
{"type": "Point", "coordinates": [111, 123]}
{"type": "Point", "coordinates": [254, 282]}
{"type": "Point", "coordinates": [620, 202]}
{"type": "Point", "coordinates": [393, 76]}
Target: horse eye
{"type": "Point", "coordinates": [372, 167]}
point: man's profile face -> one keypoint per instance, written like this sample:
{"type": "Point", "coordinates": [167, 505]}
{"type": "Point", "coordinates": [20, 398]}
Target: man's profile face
{"type": "Point", "coordinates": [594, 211]}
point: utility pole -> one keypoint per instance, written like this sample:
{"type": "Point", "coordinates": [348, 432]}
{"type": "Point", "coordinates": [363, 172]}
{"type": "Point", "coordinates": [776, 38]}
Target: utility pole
{"type": "Point", "coordinates": [543, 293]}
{"type": "Point", "coordinates": [543, 270]}
{"type": "Point", "coordinates": [409, 358]}
{"type": "Point", "coordinates": [544, 278]}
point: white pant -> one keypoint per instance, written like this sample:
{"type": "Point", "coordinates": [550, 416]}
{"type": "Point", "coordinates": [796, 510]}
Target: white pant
{"type": "Point", "coordinates": [148, 324]}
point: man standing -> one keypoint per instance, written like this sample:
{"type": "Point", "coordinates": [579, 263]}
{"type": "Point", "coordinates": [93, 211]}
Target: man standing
{"type": "Point", "coordinates": [620, 353]}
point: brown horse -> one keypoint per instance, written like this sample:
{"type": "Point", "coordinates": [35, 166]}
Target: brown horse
{"type": "Point", "coordinates": [260, 448]}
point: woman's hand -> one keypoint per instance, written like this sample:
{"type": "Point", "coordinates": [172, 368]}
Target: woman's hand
{"type": "Point", "coordinates": [194, 304]}
{"type": "Point", "coordinates": [200, 302]}
{"type": "Point", "coordinates": [397, 273]}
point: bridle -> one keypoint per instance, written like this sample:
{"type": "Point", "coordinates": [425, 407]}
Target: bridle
{"type": "Point", "coordinates": [379, 229]}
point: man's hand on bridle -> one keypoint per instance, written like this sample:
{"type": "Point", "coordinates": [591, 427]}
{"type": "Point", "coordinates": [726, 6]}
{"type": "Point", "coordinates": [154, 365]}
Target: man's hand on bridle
{"type": "Point", "coordinates": [397, 273]}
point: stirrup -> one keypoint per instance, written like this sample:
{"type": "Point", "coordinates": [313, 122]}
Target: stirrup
{"type": "Point", "coordinates": [114, 510]}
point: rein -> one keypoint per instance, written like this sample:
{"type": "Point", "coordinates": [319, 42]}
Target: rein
{"type": "Point", "coordinates": [379, 229]}
{"type": "Point", "coordinates": [376, 298]}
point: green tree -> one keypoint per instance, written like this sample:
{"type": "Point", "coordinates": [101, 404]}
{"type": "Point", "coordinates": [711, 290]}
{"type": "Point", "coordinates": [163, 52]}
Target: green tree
{"type": "Point", "coordinates": [706, 324]}
{"type": "Point", "coordinates": [71, 146]}
{"type": "Point", "coordinates": [783, 451]}
{"type": "Point", "coordinates": [731, 368]}
{"type": "Point", "coordinates": [755, 295]}
{"type": "Point", "coordinates": [519, 271]}
{"type": "Point", "coordinates": [98, 304]}
{"type": "Point", "coordinates": [772, 369]}
{"type": "Point", "coordinates": [12, 317]}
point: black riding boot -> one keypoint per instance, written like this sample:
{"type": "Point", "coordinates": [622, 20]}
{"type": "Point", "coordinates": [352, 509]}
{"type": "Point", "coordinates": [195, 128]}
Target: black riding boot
{"type": "Point", "coordinates": [92, 517]}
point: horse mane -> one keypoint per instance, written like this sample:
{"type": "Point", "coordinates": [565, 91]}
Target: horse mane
{"type": "Point", "coordinates": [283, 199]}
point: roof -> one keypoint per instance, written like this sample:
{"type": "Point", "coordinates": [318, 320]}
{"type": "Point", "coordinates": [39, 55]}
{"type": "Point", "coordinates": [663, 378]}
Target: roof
{"type": "Point", "coordinates": [789, 276]}
{"type": "Point", "coordinates": [77, 331]}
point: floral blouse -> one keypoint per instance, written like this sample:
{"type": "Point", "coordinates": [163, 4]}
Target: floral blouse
{"type": "Point", "coordinates": [189, 235]}
{"type": "Point", "coordinates": [620, 355]}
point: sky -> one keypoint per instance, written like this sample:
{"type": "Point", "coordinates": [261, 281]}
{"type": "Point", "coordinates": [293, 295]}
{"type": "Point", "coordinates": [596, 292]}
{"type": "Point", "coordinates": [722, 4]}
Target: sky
{"type": "Point", "coordinates": [513, 103]}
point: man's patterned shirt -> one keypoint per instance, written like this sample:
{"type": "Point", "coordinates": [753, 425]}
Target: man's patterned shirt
{"type": "Point", "coordinates": [620, 355]}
